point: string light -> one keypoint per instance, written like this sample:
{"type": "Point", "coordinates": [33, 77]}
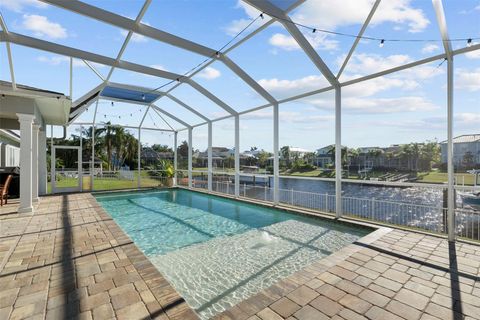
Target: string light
{"type": "Point", "coordinates": [112, 103]}
{"type": "Point", "coordinates": [261, 16]}
{"type": "Point", "coordinates": [217, 54]}
{"type": "Point", "coordinates": [143, 96]}
{"type": "Point", "coordinates": [314, 30]}
{"type": "Point", "coordinates": [469, 43]}
{"type": "Point", "coordinates": [382, 43]}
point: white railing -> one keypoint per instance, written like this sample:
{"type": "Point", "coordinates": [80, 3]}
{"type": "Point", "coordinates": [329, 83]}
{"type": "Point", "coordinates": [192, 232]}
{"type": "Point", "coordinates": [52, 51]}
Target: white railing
{"type": "Point", "coordinates": [426, 217]}
{"type": "Point", "coordinates": [467, 223]}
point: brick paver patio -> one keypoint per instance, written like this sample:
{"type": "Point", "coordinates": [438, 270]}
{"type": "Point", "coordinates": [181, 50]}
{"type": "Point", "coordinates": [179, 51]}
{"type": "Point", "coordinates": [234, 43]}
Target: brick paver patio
{"type": "Point", "coordinates": [399, 275]}
{"type": "Point", "coordinates": [71, 260]}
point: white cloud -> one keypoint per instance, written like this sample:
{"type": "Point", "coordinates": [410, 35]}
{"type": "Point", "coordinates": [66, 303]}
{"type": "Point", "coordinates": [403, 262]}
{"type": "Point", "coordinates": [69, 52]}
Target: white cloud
{"type": "Point", "coordinates": [209, 73]}
{"type": "Point", "coordinates": [18, 5]}
{"type": "Point", "coordinates": [284, 42]}
{"type": "Point", "coordinates": [58, 60]}
{"type": "Point", "coordinates": [288, 88]}
{"type": "Point", "coordinates": [467, 80]}
{"type": "Point", "coordinates": [371, 63]}
{"type": "Point", "coordinates": [473, 54]}
{"type": "Point", "coordinates": [429, 48]}
{"type": "Point", "coordinates": [317, 40]}
{"type": "Point", "coordinates": [158, 66]}
{"type": "Point", "coordinates": [234, 27]}
{"type": "Point", "coordinates": [355, 104]}
{"type": "Point", "coordinates": [135, 36]}
{"type": "Point", "coordinates": [288, 116]}
{"type": "Point", "coordinates": [364, 63]}
{"type": "Point", "coordinates": [328, 14]}
{"type": "Point", "coordinates": [41, 26]}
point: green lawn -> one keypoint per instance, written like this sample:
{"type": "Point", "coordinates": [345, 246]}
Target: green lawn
{"type": "Point", "coordinates": [108, 183]}
{"type": "Point", "coordinates": [441, 177]}
{"type": "Point", "coordinates": [423, 177]}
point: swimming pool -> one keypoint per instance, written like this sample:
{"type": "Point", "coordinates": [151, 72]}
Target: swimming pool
{"type": "Point", "coordinates": [217, 252]}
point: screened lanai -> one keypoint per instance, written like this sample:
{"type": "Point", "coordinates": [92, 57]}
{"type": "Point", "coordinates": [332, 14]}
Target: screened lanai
{"type": "Point", "coordinates": [282, 70]}
{"type": "Point", "coordinates": [240, 159]}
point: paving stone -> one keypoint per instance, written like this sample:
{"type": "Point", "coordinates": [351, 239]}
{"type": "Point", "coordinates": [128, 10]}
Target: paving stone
{"type": "Point", "coordinates": [132, 311]}
{"type": "Point", "coordinates": [388, 284]}
{"type": "Point", "coordinates": [382, 290]}
{"type": "Point", "coordinates": [376, 313]}
{"type": "Point", "coordinates": [348, 314]}
{"type": "Point", "coordinates": [419, 288]}
{"type": "Point", "coordinates": [374, 298]}
{"type": "Point", "coordinates": [314, 283]}
{"type": "Point", "coordinates": [411, 298]}
{"type": "Point", "coordinates": [326, 306]}
{"type": "Point", "coordinates": [376, 266]}
{"type": "Point", "coordinates": [395, 275]}
{"type": "Point", "coordinates": [104, 311]}
{"type": "Point", "coordinates": [268, 314]}
{"type": "Point", "coordinates": [349, 287]}
{"type": "Point", "coordinates": [402, 310]}
{"type": "Point", "coordinates": [284, 307]}
{"type": "Point", "coordinates": [362, 281]}
{"type": "Point", "coordinates": [355, 303]}
{"type": "Point", "coordinates": [309, 313]}
{"type": "Point", "coordinates": [302, 295]}
{"type": "Point", "coordinates": [331, 292]}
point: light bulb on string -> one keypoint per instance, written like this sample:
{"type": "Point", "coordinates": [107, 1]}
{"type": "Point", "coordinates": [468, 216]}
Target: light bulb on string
{"type": "Point", "coordinates": [314, 30]}
{"type": "Point", "coordinates": [143, 96]}
{"type": "Point", "coordinates": [112, 103]}
{"type": "Point", "coordinates": [382, 43]}
{"type": "Point", "coordinates": [217, 54]}
{"type": "Point", "coordinates": [469, 43]}
{"type": "Point", "coordinates": [261, 16]}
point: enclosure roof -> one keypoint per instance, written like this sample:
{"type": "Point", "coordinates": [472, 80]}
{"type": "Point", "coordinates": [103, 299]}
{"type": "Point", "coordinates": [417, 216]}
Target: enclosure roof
{"type": "Point", "coordinates": [129, 94]}
{"type": "Point", "coordinates": [217, 60]}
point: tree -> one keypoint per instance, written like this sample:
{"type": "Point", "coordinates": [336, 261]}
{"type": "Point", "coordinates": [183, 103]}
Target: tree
{"type": "Point", "coordinates": [331, 151]}
{"type": "Point", "coordinates": [162, 148]}
{"type": "Point", "coordinates": [468, 158]}
{"type": "Point", "coordinates": [263, 157]}
{"type": "Point", "coordinates": [182, 149]}
{"type": "Point", "coordinates": [285, 154]}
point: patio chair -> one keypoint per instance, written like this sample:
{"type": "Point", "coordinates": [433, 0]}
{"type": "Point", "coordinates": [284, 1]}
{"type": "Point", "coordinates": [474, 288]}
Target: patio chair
{"type": "Point", "coordinates": [4, 189]}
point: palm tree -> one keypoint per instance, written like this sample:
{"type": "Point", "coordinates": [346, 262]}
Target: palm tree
{"type": "Point", "coordinates": [285, 153]}
{"type": "Point", "coordinates": [107, 130]}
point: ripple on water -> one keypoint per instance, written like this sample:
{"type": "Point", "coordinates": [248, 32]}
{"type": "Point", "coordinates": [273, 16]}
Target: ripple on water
{"type": "Point", "coordinates": [217, 274]}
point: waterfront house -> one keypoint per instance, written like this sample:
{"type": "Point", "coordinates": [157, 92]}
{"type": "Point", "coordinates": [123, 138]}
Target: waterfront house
{"type": "Point", "coordinates": [466, 150]}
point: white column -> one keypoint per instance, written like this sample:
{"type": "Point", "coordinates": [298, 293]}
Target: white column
{"type": "Point", "coordinates": [139, 179]}
{"type": "Point", "coordinates": [92, 159]}
{"type": "Point", "coordinates": [26, 121]}
{"type": "Point", "coordinates": [175, 158]}
{"type": "Point", "coordinates": [35, 129]}
{"type": "Point", "coordinates": [42, 162]}
{"type": "Point", "coordinates": [190, 157]}
{"type": "Point", "coordinates": [450, 168]}
{"type": "Point", "coordinates": [276, 165]}
{"type": "Point", "coordinates": [237, 155]}
{"type": "Point", "coordinates": [210, 164]}
{"type": "Point", "coordinates": [338, 151]}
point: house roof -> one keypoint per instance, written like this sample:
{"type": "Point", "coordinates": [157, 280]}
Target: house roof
{"type": "Point", "coordinates": [465, 138]}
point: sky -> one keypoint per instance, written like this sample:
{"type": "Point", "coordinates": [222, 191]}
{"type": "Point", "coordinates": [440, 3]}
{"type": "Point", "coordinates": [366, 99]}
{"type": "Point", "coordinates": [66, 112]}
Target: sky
{"type": "Point", "coordinates": [407, 106]}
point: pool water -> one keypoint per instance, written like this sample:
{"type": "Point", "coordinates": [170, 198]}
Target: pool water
{"type": "Point", "coordinates": [217, 252]}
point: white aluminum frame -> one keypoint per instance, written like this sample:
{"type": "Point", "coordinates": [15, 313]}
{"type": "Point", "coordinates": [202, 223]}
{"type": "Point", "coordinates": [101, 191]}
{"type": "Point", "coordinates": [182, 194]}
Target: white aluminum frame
{"type": "Point", "coordinates": [56, 189]}
{"type": "Point", "coordinates": [136, 26]}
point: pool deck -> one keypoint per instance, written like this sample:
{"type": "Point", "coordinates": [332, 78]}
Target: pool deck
{"type": "Point", "coordinates": [71, 260]}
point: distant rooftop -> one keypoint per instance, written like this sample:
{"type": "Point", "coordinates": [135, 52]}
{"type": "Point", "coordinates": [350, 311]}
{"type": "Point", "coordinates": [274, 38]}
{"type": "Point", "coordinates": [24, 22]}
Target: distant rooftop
{"type": "Point", "coordinates": [465, 138]}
